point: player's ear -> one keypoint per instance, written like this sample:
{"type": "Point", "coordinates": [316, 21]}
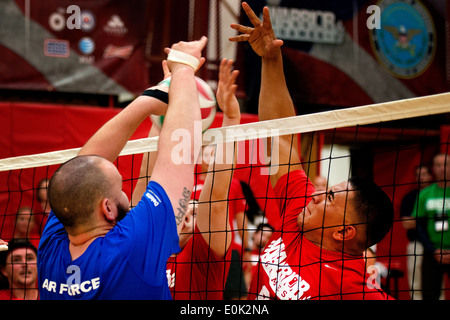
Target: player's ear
{"type": "Point", "coordinates": [107, 209]}
{"type": "Point", "coordinates": [344, 233]}
{"type": "Point", "coordinates": [3, 271]}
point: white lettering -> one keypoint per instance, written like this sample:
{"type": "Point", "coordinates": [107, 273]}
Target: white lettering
{"type": "Point", "coordinates": [282, 279]}
{"type": "Point", "coordinates": [438, 204]}
{"type": "Point", "coordinates": [264, 294]}
{"type": "Point", "coordinates": [74, 21]}
{"type": "Point", "coordinates": [374, 21]}
{"type": "Point", "coordinates": [86, 286]}
{"type": "Point", "coordinates": [63, 287]}
{"type": "Point", "coordinates": [49, 285]}
{"type": "Point", "coordinates": [153, 198]}
{"type": "Point", "coordinates": [372, 280]}
{"type": "Point", "coordinates": [72, 289]}
{"type": "Point", "coordinates": [170, 278]}
{"type": "Point", "coordinates": [246, 309]}
{"type": "Point", "coordinates": [306, 25]}
{"type": "Point", "coordinates": [197, 310]}
{"type": "Point", "coordinates": [95, 283]}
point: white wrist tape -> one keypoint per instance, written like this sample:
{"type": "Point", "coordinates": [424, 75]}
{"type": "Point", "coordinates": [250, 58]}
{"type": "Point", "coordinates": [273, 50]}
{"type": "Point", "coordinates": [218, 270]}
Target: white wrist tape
{"type": "Point", "coordinates": [185, 58]}
{"type": "Point", "coordinates": [3, 247]}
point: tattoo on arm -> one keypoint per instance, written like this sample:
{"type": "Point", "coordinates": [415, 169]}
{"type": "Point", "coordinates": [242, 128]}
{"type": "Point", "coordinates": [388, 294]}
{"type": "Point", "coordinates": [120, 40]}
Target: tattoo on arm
{"type": "Point", "coordinates": [182, 205]}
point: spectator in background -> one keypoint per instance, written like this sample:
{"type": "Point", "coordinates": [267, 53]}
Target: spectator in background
{"type": "Point", "coordinates": [432, 212]}
{"type": "Point", "coordinates": [42, 209]}
{"type": "Point", "coordinates": [25, 226]}
{"type": "Point", "coordinates": [414, 248]}
{"type": "Point", "coordinates": [19, 270]}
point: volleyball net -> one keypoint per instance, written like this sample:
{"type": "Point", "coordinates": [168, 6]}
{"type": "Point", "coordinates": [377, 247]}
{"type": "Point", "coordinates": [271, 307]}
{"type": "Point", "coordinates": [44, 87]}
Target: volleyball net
{"type": "Point", "coordinates": [384, 142]}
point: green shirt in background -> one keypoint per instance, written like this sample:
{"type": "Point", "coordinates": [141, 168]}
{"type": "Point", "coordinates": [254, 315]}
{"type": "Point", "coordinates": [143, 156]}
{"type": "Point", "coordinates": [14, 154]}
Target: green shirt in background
{"type": "Point", "coordinates": [434, 205]}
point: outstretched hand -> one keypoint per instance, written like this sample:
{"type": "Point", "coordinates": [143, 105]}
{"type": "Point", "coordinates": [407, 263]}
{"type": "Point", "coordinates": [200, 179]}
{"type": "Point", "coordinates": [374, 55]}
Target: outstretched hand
{"type": "Point", "coordinates": [193, 48]}
{"type": "Point", "coordinates": [261, 37]}
{"type": "Point", "coordinates": [226, 89]}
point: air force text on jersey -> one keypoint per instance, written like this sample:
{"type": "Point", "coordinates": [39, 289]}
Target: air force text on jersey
{"type": "Point", "coordinates": [71, 289]}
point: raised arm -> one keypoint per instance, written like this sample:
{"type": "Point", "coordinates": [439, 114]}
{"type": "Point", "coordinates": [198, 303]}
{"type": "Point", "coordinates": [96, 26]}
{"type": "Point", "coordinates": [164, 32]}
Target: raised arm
{"type": "Point", "coordinates": [148, 159]}
{"type": "Point", "coordinates": [110, 139]}
{"type": "Point", "coordinates": [147, 164]}
{"type": "Point", "coordinates": [181, 113]}
{"type": "Point", "coordinates": [175, 171]}
{"type": "Point", "coordinates": [212, 216]}
{"type": "Point", "coordinates": [275, 100]}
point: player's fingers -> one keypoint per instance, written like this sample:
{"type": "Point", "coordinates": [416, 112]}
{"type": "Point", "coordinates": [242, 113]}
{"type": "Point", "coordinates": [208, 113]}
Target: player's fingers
{"type": "Point", "coordinates": [222, 68]}
{"type": "Point", "coordinates": [278, 43]}
{"type": "Point", "coordinates": [227, 67]}
{"type": "Point", "coordinates": [234, 75]}
{"type": "Point", "coordinates": [233, 89]}
{"type": "Point", "coordinates": [202, 62]}
{"type": "Point", "coordinates": [165, 68]}
{"type": "Point", "coordinates": [240, 38]}
{"type": "Point", "coordinates": [242, 29]}
{"type": "Point", "coordinates": [203, 41]}
{"type": "Point", "coordinates": [267, 23]}
{"type": "Point", "coordinates": [251, 14]}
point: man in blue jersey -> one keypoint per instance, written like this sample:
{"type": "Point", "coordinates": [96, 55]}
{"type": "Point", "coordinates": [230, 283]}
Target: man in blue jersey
{"type": "Point", "coordinates": [92, 247]}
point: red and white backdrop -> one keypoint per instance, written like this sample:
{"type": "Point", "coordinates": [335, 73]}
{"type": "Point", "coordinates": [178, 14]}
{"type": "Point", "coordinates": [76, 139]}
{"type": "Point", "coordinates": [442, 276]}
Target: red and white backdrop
{"type": "Point", "coordinates": [43, 49]}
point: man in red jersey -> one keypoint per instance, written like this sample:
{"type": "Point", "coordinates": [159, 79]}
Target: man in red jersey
{"type": "Point", "coordinates": [200, 270]}
{"type": "Point", "coordinates": [316, 251]}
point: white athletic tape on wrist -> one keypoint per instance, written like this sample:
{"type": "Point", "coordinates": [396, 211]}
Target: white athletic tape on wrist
{"type": "Point", "coordinates": [182, 57]}
{"type": "Point", "coordinates": [3, 247]}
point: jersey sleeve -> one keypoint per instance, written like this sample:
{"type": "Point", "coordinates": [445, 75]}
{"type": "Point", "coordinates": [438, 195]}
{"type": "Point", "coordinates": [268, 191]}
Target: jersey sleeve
{"type": "Point", "coordinates": [151, 232]}
{"type": "Point", "coordinates": [207, 273]}
{"type": "Point", "coordinates": [53, 228]}
{"type": "Point", "coordinates": [292, 192]}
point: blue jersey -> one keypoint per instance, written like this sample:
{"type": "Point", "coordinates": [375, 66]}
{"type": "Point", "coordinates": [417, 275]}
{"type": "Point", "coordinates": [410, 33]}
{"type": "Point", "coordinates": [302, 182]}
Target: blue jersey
{"type": "Point", "coordinates": [129, 262]}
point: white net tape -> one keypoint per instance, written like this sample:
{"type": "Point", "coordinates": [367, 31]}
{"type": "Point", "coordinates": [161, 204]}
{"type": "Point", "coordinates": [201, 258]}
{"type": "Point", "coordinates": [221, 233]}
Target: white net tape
{"type": "Point", "coordinates": [357, 116]}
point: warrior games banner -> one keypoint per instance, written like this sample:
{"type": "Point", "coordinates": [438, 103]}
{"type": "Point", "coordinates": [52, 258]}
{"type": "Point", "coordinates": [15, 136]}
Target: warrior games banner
{"type": "Point", "coordinates": [358, 52]}
{"type": "Point", "coordinates": [74, 45]}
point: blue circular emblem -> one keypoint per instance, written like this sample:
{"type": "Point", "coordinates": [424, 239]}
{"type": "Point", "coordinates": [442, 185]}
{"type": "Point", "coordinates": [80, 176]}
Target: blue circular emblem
{"type": "Point", "coordinates": [86, 45]}
{"type": "Point", "coordinates": [405, 43]}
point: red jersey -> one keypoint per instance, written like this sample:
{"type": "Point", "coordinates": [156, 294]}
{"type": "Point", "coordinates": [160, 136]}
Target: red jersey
{"type": "Point", "coordinates": [196, 273]}
{"type": "Point", "coordinates": [292, 267]}
{"type": "Point", "coordinates": [6, 294]}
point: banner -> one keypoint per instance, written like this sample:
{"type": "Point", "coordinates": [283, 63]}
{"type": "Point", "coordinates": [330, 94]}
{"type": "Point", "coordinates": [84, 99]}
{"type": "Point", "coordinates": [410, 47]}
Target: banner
{"type": "Point", "coordinates": [352, 53]}
{"type": "Point", "coordinates": [74, 45]}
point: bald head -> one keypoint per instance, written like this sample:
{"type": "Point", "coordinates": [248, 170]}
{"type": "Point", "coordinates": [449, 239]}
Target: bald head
{"type": "Point", "coordinates": [77, 188]}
